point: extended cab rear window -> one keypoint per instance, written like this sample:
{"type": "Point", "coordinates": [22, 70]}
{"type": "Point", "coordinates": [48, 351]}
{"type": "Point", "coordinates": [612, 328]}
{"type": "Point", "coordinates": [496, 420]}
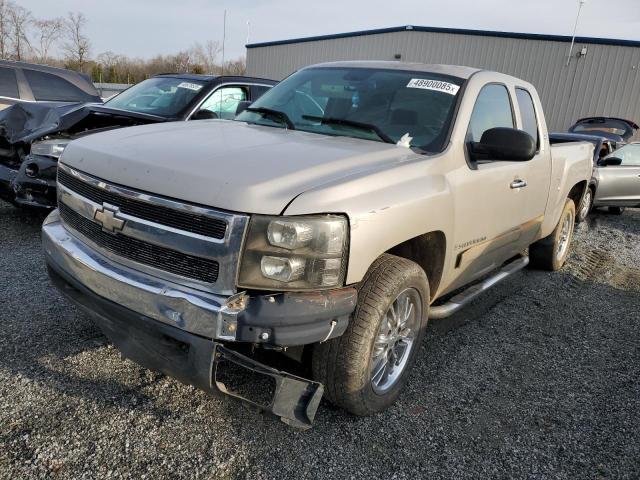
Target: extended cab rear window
{"type": "Point", "coordinates": [528, 114]}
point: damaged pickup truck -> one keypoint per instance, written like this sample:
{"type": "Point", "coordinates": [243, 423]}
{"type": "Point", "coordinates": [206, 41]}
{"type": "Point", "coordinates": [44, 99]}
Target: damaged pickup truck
{"type": "Point", "coordinates": [33, 136]}
{"type": "Point", "coordinates": [342, 210]}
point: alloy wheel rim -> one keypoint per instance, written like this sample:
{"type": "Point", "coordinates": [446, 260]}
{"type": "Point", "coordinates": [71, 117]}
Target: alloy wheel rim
{"type": "Point", "coordinates": [565, 236]}
{"type": "Point", "coordinates": [395, 340]}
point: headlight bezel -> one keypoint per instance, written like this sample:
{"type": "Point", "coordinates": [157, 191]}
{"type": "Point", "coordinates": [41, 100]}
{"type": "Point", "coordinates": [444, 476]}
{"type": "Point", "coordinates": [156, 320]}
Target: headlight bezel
{"type": "Point", "coordinates": [321, 270]}
{"type": "Point", "coordinates": [47, 148]}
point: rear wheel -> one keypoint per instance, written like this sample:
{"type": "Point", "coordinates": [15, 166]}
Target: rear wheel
{"type": "Point", "coordinates": [585, 206]}
{"type": "Point", "coordinates": [551, 252]}
{"type": "Point", "coordinates": [616, 210]}
{"type": "Point", "coordinates": [365, 369]}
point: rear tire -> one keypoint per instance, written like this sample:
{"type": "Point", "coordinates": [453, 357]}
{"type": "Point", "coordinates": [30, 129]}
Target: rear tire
{"type": "Point", "coordinates": [616, 210]}
{"type": "Point", "coordinates": [585, 206]}
{"type": "Point", "coordinates": [551, 252]}
{"type": "Point", "coordinates": [365, 369]}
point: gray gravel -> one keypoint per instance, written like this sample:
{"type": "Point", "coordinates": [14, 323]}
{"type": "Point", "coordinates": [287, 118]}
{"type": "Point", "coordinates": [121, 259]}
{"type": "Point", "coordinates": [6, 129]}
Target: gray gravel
{"type": "Point", "coordinates": [537, 379]}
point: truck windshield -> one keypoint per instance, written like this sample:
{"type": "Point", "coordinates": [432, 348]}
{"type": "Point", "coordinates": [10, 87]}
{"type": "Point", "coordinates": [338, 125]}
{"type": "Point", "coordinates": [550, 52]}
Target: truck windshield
{"type": "Point", "coordinates": [163, 96]}
{"type": "Point", "coordinates": [381, 105]}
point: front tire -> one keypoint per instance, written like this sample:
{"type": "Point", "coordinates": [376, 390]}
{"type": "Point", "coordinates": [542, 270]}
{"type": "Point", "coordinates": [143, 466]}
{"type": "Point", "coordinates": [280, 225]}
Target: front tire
{"type": "Point", "coordinates": [551, 252]}
{"type": "Point", "coordinates": [365, 369]}
{"type": "Point", "coordinates": [585, 206]}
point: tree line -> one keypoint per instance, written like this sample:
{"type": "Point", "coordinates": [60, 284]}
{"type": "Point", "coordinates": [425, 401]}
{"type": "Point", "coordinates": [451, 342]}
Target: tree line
{"type": "Point", "coordinates": [63, 42]}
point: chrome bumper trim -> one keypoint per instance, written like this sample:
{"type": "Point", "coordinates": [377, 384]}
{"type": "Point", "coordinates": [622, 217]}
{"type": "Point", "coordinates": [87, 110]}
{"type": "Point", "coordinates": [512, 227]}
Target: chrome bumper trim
{"type": "Point", "coordinates": [191, 310]}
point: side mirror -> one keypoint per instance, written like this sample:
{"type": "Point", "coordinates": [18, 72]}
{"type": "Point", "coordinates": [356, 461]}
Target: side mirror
{"type": "Point", "coordinates": [508, 144]}
{"type": "Point", "coordinates": [204, 115]}
{"type": "Point", "coordinates": [242, 106]}
{"type": "Point", "coordinates": [610, 162]}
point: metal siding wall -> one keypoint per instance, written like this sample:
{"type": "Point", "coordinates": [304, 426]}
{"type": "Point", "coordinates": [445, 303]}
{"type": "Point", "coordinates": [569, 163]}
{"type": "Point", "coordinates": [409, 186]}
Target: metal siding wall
{"type": "Point", "coordinates": [604, 82]}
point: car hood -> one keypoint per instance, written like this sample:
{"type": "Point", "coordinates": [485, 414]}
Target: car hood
{"type": "Point", "coordinates": [226, 164]}
{"type": "Point", "coordinates": [27, 122]}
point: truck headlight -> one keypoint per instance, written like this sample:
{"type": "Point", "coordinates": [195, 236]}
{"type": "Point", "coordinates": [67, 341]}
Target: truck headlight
{"type": "Point", "coordinates": [50, 148]}
{"type": "Point", "coordinates": [294, 253]}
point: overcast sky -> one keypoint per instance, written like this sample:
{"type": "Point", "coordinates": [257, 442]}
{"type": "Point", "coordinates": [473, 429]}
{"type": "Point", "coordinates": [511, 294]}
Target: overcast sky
{"type": "Point", "coordinates": [148, 27]}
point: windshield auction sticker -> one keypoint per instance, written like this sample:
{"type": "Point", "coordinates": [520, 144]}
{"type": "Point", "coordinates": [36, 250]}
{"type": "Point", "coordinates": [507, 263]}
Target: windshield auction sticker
{"type": "Point", "coordinates": [191, 86]}
{"type": "Point", "coordinates": [436, 85]}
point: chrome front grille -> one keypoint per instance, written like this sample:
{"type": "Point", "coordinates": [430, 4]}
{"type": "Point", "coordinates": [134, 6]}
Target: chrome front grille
{"type": "Point", "coordinates": [184, 243]}
{"type": "Point", "coordinates": [178, 263]}
{"type": "Point", "coordinates": [187, 221]}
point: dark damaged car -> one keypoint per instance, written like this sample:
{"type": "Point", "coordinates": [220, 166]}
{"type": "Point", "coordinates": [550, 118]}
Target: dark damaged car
{"type": "Point", "coordinates": [618, 130]}
{"type": "Point", "coordinates": [33, 136]}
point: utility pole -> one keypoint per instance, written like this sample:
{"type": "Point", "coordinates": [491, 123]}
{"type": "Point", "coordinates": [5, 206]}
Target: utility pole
{"type": "Point", "coordinates": [224, 37]}
{"type": "Point", "coordinates": [248, 31]}
{"type": "Point", "coordinates": [575, 29]}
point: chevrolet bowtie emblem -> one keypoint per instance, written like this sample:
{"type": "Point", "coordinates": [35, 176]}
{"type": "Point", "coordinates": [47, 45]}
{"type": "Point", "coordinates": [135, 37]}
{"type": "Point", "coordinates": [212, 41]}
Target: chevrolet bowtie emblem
{"type": "Point", "coordinates": [107, 217]}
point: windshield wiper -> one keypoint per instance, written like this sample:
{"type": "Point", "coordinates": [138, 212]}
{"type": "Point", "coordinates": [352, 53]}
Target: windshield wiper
{"type": "Point", "coordinates": [351, 123]}
{"type": "Point", "coordinates": [277, 114]}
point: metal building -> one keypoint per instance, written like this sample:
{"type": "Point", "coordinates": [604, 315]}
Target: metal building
{"type": "Point", "coordinates": [600, 78]}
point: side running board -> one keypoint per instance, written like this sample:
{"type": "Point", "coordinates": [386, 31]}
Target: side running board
{"type": "Point", "coordinates": [461, 299]}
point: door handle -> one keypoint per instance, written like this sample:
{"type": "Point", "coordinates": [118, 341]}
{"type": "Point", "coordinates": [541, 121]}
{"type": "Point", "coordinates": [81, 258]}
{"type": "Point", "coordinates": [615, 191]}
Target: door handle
{"type": "Point", "coordinates": [518, 184]}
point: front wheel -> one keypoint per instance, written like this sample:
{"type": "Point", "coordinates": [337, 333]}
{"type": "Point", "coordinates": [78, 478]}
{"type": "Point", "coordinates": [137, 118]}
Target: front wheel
{"type": "Point", "coordinates": [365, 369]}
{"type": "Point", "coordinates": [551, 252]}
{"type": "Point", "coordinates": [585, 206]}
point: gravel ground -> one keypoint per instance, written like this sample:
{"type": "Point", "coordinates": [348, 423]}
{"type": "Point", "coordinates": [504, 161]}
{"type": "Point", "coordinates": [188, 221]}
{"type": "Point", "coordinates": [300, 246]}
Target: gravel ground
{"type": "Point", "coordinates": [537, 379]}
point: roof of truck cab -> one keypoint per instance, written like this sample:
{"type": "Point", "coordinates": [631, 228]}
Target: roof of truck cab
{"type": "Point", "coordinates": [452, 70]}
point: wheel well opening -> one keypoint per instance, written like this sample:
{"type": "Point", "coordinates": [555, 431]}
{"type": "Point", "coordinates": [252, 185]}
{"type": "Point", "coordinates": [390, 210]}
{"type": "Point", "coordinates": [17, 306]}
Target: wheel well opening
{"type": "Point", "coordinates": [577, 192]}
{"type": "Point", "coordinates": [428, 251]}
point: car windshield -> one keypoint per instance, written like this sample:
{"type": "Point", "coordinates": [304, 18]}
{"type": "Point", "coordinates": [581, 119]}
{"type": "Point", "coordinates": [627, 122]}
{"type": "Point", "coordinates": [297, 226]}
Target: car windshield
{"type": "Point", "coordinates": [381, 105]}
{"type": "Point", "coordinates": [163, 96]}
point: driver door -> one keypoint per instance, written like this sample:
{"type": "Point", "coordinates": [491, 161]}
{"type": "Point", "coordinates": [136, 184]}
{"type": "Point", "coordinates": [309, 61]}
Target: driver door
{"type": "Point", "coordinates": [491, 198]}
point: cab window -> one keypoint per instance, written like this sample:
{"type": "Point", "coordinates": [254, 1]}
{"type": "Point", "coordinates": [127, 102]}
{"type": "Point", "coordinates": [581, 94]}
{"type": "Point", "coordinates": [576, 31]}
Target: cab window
{"type": "Point", "coordinates": [528, 114]}
{"type": "Point", "coordinates": [224, 102]}
{"type": "Point", "coordinates": [492, 110]}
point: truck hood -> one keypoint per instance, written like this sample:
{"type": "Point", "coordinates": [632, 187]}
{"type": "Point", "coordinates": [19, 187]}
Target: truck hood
{"type": "Point", "coordinates": [226, 164]}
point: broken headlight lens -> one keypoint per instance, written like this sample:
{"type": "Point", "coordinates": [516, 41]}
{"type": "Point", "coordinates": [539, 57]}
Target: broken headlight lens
{"type": "Point", "coordinates": [50, 148]}
{"type": "Point", "coordinates": [294, 253]}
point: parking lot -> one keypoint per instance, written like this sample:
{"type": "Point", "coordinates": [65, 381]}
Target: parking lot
{"type": "Point", "coordinates": [539, 378]}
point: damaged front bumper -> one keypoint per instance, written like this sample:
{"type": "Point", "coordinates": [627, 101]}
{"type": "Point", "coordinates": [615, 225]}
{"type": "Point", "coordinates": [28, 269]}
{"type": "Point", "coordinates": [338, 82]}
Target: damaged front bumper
{"type": "Point", "coordinates": [33, 184]}
{"type": "Point", "coordinates": [188, 334]}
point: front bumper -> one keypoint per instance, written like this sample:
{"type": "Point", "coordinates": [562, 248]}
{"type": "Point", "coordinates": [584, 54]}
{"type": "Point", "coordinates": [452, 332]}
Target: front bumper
{"type": "Point", "coordinates": [288, 319]}
{"type": "Point", "coordinates": [37, 190]}
{"type": "Point", "coordinates": [195, 360]}
{"type": "Point", "coordinates": [179, 330]}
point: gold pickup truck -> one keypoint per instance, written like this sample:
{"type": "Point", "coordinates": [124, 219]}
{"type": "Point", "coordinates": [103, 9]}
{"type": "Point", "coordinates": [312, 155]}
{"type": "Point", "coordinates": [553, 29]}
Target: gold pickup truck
{"type": "Point", "coordinates": [336, 215]}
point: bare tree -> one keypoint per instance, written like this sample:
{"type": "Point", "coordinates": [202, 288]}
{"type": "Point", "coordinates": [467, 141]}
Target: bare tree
{"type": "Point", "coordinates": [235, 67]}
{"type": "Point", "coordinates": [182, 61]}
{"type": "Point", "coordinates": [19, 21]}
{"type": "Point", "coordinates": [5, 28]}
{"type": "Point", "coordinates": [114, 64]}
{"type": "Point", "coordinates": [77, 45]}
{"type": "Point", "coordinates": [47, 33]}
{"type": "Point", "coordinates": [207, 54]}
